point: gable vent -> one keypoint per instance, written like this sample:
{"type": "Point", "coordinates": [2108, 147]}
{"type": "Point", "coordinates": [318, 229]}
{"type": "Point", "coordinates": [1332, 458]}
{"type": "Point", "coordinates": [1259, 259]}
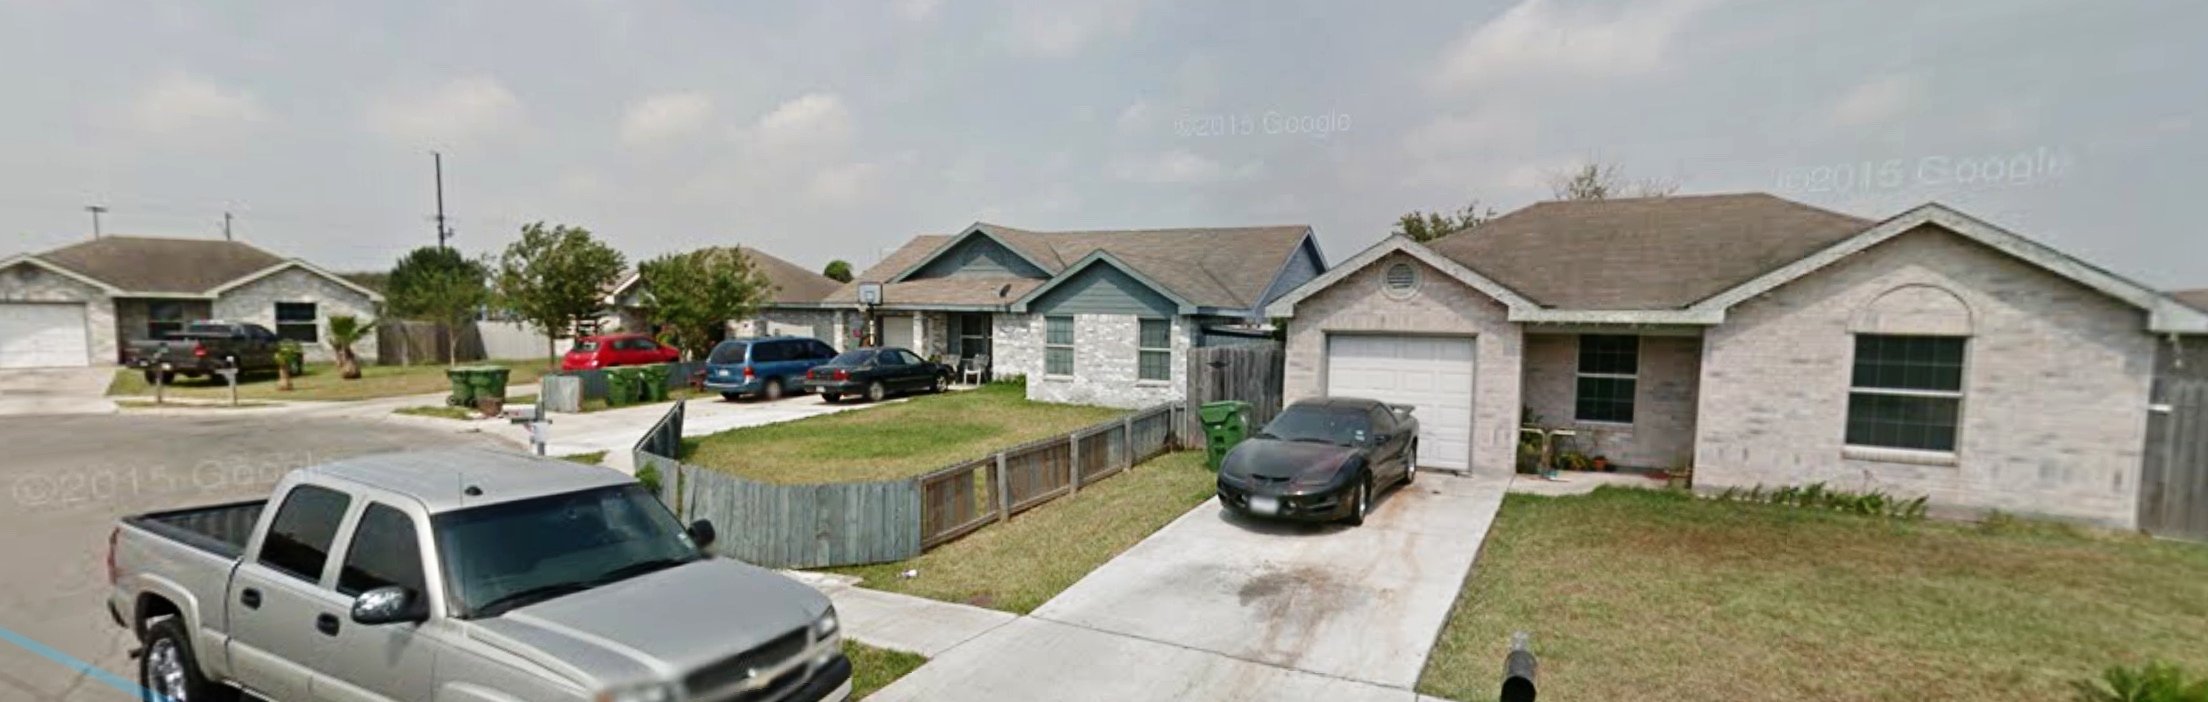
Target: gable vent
{"type": "Point", "coordinates": [1401, 280]}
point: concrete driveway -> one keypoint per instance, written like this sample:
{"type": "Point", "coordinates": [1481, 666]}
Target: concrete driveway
{"type": "Point", "coordinates": [1216, 607]}
{"type": "Point", "coordinates": [36, 391]}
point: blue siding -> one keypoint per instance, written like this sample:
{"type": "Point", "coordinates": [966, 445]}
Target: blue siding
{"type": "Point", "coordinates": [1102, 289]}
{"type": "Point", "coordinates": [978, 257]}
{"type": "Point", "coordinates": [1300, 269]}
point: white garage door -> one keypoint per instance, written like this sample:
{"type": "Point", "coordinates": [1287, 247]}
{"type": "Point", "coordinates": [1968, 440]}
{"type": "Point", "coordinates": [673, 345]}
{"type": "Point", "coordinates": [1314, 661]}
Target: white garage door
{"type": "Point", "coordinates": [42, 335]}
{"type": "Point", "coordinates": [1433, 374]}
{"type": "Point", "coordinates": [897, 332]}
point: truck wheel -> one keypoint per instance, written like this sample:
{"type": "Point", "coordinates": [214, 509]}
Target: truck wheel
{"type": "Point", "coordinates": [168, 670]}
{"type": "Point", "coordinates": [155, 377]}
{"type": "Point", "coordinates": [875, 392]}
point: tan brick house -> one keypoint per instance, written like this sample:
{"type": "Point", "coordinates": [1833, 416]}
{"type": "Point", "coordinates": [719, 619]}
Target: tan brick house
{"type": "Point", "coordinates": [1758, 340]}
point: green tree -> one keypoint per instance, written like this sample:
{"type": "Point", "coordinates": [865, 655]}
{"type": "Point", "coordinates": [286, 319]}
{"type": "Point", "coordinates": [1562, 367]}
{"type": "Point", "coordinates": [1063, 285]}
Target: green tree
{"type": "Point", "coordinates": [1423, 227]}
{"type": "Point", "coordinates": [838, 270]}
{"type": "Point", "coordinates": [694, 294]}
{"type": "Point", "coordinates": [345, 331]}
{"type": "Point", "coordinates": [437, 284]}
{"type": "Point", "coordinates": [1599, 181]}
{"type": "Point", "coordinates": [556, 277]}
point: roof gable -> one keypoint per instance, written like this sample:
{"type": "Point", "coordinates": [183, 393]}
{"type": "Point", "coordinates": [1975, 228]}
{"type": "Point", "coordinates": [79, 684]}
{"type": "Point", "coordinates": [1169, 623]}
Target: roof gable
{"type": "Point", "coordinates": [1226, 268]}
{"type": "Point", "coordinates": [976, 255]}
{"type": "Point", "coordinates": [155, 265]}
{"type": "Point", "coordinates": [1086, 272]}
{"type": "Point", "coordinates": [36, 262]}
{"type": "Point", "coordinates": [1041, 259]}
{"type": "Point", "coordinates": [2165, 314]}
{"type": "Point", "coordinates": [1286, 305]}
{"type": "Point", "coordinates": [309, 268]}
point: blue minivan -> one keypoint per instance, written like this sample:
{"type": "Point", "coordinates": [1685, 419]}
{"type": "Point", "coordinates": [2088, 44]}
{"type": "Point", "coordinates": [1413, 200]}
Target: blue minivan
{"type": "Point", "coordinates": [765, 367]}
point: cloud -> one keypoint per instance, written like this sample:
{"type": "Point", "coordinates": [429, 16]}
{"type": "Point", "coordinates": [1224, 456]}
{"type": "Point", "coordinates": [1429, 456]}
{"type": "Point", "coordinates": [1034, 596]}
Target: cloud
{"type": "Point", "coordinates": [458, 110]}
{"type": "Point", "coordinates": [1544, 39]}
{"type": "Point", "coordinates": [814, 122]}
{"type": "Point", "coordinates": [1178, 166]}
{"type": "Point", "coordinates": [180, 102]}
{"type": "Point", "coordinates": [666, 117]}
{"type": "Point", "coordinates": [1485, 127]}
{"type": "Point", "coordinates": [857, 183]}
{"type": "Point", "coordinates": [1059, 30]}
{"type": "Point", "coordinates": [917, 10]}
{"type": "Point", "coordinates": [1135, 118]}
{"type": "Point", "coordinates": [1878, 101]}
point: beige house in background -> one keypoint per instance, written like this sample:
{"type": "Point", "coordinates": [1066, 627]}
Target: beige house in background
{"type": "Point", "coordinates": [79, 305]}
{"type": "Point", "coordinates": [1760, 341]}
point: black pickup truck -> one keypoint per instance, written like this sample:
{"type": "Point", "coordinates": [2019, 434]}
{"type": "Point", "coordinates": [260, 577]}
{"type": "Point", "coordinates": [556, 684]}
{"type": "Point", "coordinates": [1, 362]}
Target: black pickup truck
{"type": "Point", "coordinates": [202, 348]}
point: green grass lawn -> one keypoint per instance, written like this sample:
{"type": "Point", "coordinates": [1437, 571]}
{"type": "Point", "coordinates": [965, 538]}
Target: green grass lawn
{"type": "Point", "coordinates": [1634, 594]}
{"type": "Point", "coordinates": [875, 668]}
{"type": "Point", "coordinates": [149, 404]}
{"type": "Point", "coordinates": [437, 411]}
{"type": "Point", "coordinates": [1018, 565]}
{"type": "Point", "coordinates": [320, 382]}
{"type": "Point", "coordinates": [594, 458]}
{"type": "Point", "coordinates": [893, 441]}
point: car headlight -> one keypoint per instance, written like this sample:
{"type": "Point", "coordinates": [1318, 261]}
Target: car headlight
{"type": "Point", "coordinates": [826, 625]}
{"type": "Point", "coordinates": [640, 692]}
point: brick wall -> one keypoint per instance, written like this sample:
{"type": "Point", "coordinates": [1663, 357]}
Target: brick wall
{"type": "Point", "coordinates": [2055, 383]}
{"type": "Point", "coordinates": [1105, 366]}
{"type": "Point", "coordinates": [255, 302]}
{"type": "Point", "coordinates": [1016, 345]}
{"type": "Point", "coordinates": [1662, 432]}
{"type": "Point", "coordinates": [1441, 305]}
{"type": "Point", "coordinates": [29, 283]}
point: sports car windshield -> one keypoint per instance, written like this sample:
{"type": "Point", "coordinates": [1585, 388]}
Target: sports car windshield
{"type": "Point", "coordinates": [1347, 427]}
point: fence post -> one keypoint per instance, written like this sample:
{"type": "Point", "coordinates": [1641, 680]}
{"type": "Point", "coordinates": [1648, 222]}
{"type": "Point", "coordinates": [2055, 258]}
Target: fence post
{"type": "Point", "coordinates": [1073, 462]}
{"type": "Point", "coordinates": [1004, 492]}
{"type": "Point", "coordinates": [1127, 442]}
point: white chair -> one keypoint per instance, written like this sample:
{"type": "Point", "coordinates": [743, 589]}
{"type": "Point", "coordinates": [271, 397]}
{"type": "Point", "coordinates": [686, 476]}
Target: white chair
{"type": "Point", "coordinates": [977, 367]}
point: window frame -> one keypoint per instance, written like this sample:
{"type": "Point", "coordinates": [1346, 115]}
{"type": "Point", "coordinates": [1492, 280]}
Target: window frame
{"type": "Point", "coordinates": [1052, 348]}
{"type": "Point", "coordinates": [1144, 351]}
{"type": "Point", "coordinates": [312, 325]}
{"type": "Point", "coordinates": [1957, 398]}
{"type": "Point", "coordinates": [1580, 376]}
{"type": "Point", "coordinates": [337, 528]}
{"type": "Point", "coordinates": [352, 547]}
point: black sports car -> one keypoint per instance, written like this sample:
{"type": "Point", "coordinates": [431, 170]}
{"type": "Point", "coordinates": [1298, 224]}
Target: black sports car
{"type": "Point", "coordinates": [1321, 460]}
{"type": "Point", "coordinates": [875, 374]}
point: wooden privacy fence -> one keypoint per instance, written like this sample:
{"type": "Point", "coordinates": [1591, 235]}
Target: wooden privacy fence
{"type": "Point", "coordinates": [966, 496]}
{"type": "Point", "coordinates": [812, 526]}
{"type": "Point", "coordinates": [403, 342]}
{"type": "Point", "coordinates": [2173, 484]}
{"type": "Point", "coordinates": [1252, 373]}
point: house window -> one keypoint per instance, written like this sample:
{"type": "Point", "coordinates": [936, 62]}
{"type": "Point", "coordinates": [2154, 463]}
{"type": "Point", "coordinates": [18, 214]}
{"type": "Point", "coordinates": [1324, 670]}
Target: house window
{"type": "Point", "coordinates": [295, 321]}
{"type": "Point", "coordinates": [1609, 366]}
{"type": "Point", "coordinates": [164, 318]}
{"type": "Point", "coordinates": [1058, 346]}
{"type": "Point", "coordinates": [1907, 392]}
{"type": "Point", "coordinates": [1154, 360]}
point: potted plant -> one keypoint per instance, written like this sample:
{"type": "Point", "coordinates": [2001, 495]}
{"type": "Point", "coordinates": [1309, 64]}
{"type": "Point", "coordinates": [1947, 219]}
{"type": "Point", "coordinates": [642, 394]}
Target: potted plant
{"type": "Point", "coordinates": [1573, 460]}
{"type": "Point", "coordinates": [1601, 464]}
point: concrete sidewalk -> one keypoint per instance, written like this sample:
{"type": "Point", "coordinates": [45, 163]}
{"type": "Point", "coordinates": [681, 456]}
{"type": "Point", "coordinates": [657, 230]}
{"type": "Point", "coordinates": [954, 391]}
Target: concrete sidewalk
{"type": "Point", "coordinates": [42, 391]}
{"type": "Point", "coordinates": [1216, 607]}
{"type": "Point", "coordinates": [902, 622]}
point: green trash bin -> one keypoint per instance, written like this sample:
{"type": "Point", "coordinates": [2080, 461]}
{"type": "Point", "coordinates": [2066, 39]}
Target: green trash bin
{"type": "Point", "coordinates": [654, 378]}
{"type": "Point", "coordinates": [463, 387]}
{"type": "Point", "coordinates": [489, 382]}
{"type": "Point", "coordinates": [1226, 423]}
{"type": "Point", "coordinates": [621, 386]}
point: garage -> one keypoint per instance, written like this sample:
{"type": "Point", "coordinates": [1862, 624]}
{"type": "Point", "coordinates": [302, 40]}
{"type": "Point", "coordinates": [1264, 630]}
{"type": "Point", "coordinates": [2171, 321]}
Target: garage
{"type": "Point", "coordinates": [43, 335]}
{"type": "Point", "coordinates": [897, 331]}
{"type": "Point", "coordinates": [1431, 373]}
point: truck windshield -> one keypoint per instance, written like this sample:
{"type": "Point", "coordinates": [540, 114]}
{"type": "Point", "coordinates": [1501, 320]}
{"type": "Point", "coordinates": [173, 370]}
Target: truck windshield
{"type": "Point", "coordinates": [505, 556]}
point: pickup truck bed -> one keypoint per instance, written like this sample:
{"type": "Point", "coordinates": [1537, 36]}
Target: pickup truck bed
{"type": "Point", "coordinates": [222, 529]}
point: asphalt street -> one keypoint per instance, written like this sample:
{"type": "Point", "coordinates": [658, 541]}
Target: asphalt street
{"type": "Point", "coordinates": [67, 478]}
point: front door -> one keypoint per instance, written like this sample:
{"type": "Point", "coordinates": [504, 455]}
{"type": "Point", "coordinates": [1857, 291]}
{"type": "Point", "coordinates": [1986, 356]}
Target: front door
{"type": "Point", "coordinates": [973, 338]}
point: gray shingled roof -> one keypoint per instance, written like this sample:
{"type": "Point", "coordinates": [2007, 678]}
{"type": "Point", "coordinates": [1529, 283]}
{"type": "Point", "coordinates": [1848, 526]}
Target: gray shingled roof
{"type": "Point", "coordinates": [150, 265]}
{"type": "Point", "coordinates": [793, 283]}
{"type": "Point", "coordinates": [1226, 267]}
{"type": "Point", "coordinates": [1644, 253]}
{"type": "Point", "coordinates": [2196, 298]}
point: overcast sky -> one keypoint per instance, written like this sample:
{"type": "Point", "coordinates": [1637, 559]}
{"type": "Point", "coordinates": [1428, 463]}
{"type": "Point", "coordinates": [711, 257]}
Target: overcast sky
{"type": "Point", "coordinates": [831, 129]}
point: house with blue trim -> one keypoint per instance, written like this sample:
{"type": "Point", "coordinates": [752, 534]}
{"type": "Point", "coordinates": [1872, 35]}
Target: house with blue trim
{"type": "Point", "coordinates": [1088, 317]}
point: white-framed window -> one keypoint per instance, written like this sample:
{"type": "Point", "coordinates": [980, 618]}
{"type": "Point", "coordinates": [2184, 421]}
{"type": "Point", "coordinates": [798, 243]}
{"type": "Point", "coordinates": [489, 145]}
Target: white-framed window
{"type": "Point", "coordinates": [296, 321]}
{"type": "Point", "coordinates": [1057, 346]}
{"type": "Point", "coordinates": [1154, 354]}
{"type": "Point", "coordinates": [1906, 392]}
{"type": "Point", "coordinates": [1609, 374]}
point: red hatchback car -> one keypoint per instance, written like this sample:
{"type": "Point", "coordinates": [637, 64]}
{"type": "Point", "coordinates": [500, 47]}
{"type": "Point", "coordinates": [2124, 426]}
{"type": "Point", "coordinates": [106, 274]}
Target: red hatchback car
{"type": "Point", "coordinates": [594, 352]}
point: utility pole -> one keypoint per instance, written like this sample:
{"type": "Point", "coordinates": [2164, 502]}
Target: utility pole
{"type": "Point", "coordinates": [443, 232]}
{"type": "Point", "coordinates": [95, 210]}
{"type": "Point", "coordinates": [226, 226]}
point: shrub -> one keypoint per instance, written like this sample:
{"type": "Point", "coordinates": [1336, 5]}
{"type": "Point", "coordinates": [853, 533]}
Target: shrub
{"type": "Point", "coordinates": [649, 476]}
{"type": "Point", "coordinates": [2155, 682]}
{"type": "Point", "coordinates": [1819, 496]}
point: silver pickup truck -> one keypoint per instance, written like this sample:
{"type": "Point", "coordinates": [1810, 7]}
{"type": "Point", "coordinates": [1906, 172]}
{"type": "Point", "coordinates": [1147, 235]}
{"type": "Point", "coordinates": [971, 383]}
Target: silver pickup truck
{"type": "Point", "coordinates": [461, 576]}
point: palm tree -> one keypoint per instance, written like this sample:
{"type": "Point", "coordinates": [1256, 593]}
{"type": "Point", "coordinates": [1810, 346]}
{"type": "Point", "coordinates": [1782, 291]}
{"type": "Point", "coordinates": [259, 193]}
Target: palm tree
{"type": "Point", "coordinates": [288, 355]}
{"type": "Point", "coordinates": [346, 330]}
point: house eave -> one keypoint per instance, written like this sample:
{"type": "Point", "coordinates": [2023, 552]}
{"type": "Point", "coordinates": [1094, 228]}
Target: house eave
{"type": "Point", "coordinates": [1555, 316]}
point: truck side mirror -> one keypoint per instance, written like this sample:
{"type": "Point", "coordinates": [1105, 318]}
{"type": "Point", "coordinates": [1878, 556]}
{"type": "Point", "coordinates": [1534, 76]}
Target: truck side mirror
{"type": "Point", "coordinates": [701, 531]}
{"type": "Point", "coordinates": [389, 605]}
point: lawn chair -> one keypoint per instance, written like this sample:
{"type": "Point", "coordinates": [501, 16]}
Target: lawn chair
{"type": "Point", "coordinates": [977, 367]}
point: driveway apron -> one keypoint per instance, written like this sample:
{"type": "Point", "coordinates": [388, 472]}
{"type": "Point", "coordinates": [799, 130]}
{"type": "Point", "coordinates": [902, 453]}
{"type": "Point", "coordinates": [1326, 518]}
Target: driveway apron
{"type": "Point", "coordinates": [1220, 607]}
